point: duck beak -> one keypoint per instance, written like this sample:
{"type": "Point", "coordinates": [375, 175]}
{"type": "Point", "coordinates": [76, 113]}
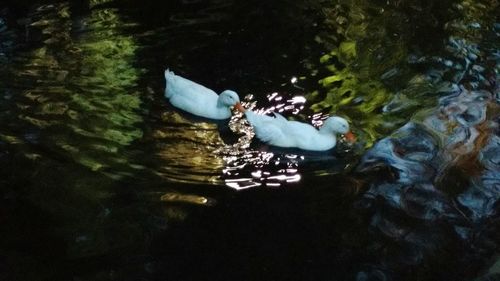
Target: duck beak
{"type": "Point", "coordinates": [350, 137]}
{"type": "Point", "coordinates": [239, 107]}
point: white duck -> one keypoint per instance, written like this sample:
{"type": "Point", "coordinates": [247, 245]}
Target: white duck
{"type": "Point", "coordinates": [197, 99]}
{"type": "Point", "coordinates": [279, 131]}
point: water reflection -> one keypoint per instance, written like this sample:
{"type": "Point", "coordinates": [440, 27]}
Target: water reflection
{"type": "Point", "coordinates": [441, 166]}
{"type": "Point", "coordinates": [77, 84]}
{"type": "Point", "coordinates": [82, 119]}
{"type": "Point", "coordinates": [188, 150]}
{"type": "Point", "coordinates": [70, 113]}
{"type": "Point", "coordinates": [247, 167]}
{"type": "Point", "coordinates": [194, 151]}
{"type": "Point", "coordinates": [187, 198]}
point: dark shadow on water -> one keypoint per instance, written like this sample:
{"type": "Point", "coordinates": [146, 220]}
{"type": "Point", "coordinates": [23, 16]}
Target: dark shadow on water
{"type": "Point", "coordinates": [259, 234]}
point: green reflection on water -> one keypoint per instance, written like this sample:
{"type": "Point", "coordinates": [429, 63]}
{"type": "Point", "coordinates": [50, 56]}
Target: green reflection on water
{"type": "Point", "coordinates": [73, 113]}
{"type": "Point", "coordinates": [106, 80]}
{"type": "Point", "coordinates": [84, 82]}
{"type": "Point", "coordinates": [77, 95]}
{"type": "Point", "coordinates": [361, 52]}
{"type": "Point", "coordinates": [365, 74]}
{"type": "Point", "coordinates": [346, 86]}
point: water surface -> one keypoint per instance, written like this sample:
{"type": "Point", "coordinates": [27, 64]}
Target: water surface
{"type": "Point", "coordinates": [102, 179]}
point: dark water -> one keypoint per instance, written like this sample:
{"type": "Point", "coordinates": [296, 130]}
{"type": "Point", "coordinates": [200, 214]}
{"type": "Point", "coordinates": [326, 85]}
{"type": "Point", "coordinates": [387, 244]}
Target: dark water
{"type": "Point", "coordinates": [101, 179]}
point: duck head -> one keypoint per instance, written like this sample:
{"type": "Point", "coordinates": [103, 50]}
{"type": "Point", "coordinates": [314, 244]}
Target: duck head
{"type": "Point", "coordinates": [338, 125]}
{"type": "Point", "coordinates": [228, 98]}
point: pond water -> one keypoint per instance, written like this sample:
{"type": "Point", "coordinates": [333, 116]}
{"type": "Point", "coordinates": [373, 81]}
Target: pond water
{"type": "Point", "coordinates": [102, 179]}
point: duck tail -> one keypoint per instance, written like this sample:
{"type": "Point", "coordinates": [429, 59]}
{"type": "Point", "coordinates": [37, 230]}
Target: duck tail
{"type": "Point", "coordinates": [168, 73]}
{"type": "Point", "coordinates": [253, 118]}
{"type": "Point", "coordinates": [169, 76]}
{"type": "Point", "coordinates": [250, 115]}
{"type": "Point", "coordinates": [280, 117]}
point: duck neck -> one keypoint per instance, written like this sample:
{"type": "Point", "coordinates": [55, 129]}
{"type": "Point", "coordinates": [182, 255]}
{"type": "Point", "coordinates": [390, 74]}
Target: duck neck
{"type": "Point", "coordinates": [223, 110]}
{"type": "Point", "coordinates": [326, 139]}
{"type": "Point", "coordinates": [324, 131]}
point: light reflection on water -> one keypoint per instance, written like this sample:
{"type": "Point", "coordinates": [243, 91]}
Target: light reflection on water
{"type": "Point", "coordinates": [194, 150]}
{"type": "Point", "coordinates": [77, 94]}
{"type": "Point", "coordinates": [188, 150]}
{"type": "Point", "coordinates": [84, 88]}
{"type": "Point", "coordinates": [247, 166]}
{"type": "Point", "coordinates": [73, 104]}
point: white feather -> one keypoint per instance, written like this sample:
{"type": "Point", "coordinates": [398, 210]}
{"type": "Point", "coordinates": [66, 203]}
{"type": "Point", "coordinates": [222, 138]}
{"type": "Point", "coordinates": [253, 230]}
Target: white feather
{"type": "Point", "coordinates": [195, 98]}
{"type": "Point", "coordinates": [279, 131]}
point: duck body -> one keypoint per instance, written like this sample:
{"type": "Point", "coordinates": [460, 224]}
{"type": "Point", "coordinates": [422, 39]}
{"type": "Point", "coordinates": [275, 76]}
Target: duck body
{"type": "Point", "coordinates": [198, 99]}
{"type": "Point", "coordinates": [278, 131]}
